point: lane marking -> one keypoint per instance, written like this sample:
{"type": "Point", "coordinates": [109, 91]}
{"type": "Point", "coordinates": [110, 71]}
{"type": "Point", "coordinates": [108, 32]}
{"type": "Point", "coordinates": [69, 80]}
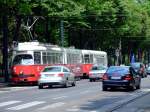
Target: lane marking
{"type": "Point", "coordinates": [73, 110]}
{"type": "Point", "coordinates": [145, 90]}
{"type": "Point", "coordinates": [61, 97]}
{"type": "Point", "coordinates": [85, 92]}
{"type": "Point", "coordinates": [54, 105]}
{"type": "Point", "coordinates": [8, 103]}
{"type": "Point", "coordinates": [27, 105]}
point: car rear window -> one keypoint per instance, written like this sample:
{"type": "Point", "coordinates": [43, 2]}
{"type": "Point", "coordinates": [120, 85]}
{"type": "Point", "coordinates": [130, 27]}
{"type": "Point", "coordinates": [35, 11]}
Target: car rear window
{"type": "Point", "coordinates": [118, 70]}
{"type": "Point", "coordinates": [98, 68]}
{"type": "Point", "coordinates": [52, 69]}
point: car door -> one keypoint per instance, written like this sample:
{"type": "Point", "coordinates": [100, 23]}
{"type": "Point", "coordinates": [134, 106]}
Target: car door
{"type": "Point", "coordinates": [67, 74]}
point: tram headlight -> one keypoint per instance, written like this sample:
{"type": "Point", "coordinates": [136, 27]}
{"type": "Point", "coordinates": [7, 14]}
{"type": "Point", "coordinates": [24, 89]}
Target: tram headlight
{"type": "Point", "coordinates": [14, 69]}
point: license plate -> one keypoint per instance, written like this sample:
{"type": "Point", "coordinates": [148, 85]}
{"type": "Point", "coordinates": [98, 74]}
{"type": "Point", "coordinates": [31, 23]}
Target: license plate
{"type": "Point", "coordinates": [115, 77]}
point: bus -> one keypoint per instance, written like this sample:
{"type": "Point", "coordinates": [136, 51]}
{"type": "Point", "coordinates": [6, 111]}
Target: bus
{"type": "Point", "coordinates": [30, 58]}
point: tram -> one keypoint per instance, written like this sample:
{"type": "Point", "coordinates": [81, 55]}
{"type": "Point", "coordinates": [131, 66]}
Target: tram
{"type": "Point", "coordinates": [29, 59]}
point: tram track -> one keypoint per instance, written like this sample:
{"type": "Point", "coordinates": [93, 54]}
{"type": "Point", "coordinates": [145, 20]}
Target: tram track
{"type": "Point", "coordinates": [117, 105]}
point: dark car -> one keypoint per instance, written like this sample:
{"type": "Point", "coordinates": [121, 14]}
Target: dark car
{"type": "Point", "coordinates": [121, 76]}
{"type": "Point", "coordinates": [139, 68]}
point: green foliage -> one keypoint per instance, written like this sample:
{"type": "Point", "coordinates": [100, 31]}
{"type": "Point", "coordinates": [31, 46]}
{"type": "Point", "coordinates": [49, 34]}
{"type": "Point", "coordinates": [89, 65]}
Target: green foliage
{"type": "Point", "coordinates": [106, 21]}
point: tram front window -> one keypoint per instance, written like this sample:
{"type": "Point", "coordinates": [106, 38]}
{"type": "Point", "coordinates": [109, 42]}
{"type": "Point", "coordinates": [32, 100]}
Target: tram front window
{"type": "Point", "coordinates": [23, 59]}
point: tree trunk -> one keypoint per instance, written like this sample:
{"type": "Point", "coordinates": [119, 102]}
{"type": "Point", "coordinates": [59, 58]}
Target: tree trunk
{"type": "Point", "coordinates": [5, 47]}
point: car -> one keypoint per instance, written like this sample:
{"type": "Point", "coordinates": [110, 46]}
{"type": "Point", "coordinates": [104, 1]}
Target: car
{"type": "Point", "coordinates": [56, 75]}
{"type": "Point", "coordinates": [121, 76]}
{"type": "Point", "coordinates": [96, 72]}
{"type": "Point", "coordinates": [139, 68]}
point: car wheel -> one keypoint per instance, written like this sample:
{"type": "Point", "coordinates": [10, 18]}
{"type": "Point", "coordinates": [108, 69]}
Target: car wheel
{"type": "Point", "coordinates": [132, 88]}
{"type": "Point", "coordinates": [74, 83]}
{"type": "Point", "coordinates": [91, 80]}
{"type": "Point", "coordinates": [66, 84]}
{"type": "Point", "coordinates": [104, 88]}
{"type": "Point", "coordinates": [40, 86]}
{"type": "Point", "coordinates": [139, 86]}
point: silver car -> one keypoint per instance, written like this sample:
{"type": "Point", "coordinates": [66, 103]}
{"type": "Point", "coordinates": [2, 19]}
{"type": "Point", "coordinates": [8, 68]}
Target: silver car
{"type": "Point", "coordinates": [97, 72]}
{"type": "Point", "coordinates": [56, 75]}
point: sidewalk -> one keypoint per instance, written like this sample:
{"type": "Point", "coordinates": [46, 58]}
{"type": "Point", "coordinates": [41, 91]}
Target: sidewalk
{"type": "Point", "coordinates": [2, 83]}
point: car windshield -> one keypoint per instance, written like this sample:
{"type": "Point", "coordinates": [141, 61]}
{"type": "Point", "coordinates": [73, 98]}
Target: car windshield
{"type": "Point", "coordinates": [118, 70]}
{"type": "Point", "coordinates": [23, 59]}
{"type": "Point", "coordinates": [52, 69]}
{"type": "Point", "coordinates": [98, 68]}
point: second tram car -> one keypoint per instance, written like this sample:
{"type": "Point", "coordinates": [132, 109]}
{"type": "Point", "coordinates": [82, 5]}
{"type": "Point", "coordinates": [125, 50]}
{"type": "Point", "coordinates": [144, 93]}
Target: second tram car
{"type": "Point", "coordinates": [29, 58]}
{"type": "Point", "coordinates": [90, 57]}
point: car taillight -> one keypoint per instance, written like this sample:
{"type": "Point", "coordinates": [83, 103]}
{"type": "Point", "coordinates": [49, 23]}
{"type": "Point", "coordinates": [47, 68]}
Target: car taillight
{"type": "Point", "coordinates": [61, 75]}
{"type": "Point", "coordinates": [105, 76]}
{"type": "Point", "coordinates": [128, 77]}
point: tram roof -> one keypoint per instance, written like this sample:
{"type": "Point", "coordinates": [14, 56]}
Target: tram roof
{"type": "Point", "coordinates": [35, 46]}
{"type": "Point", "coordinates": [93, 52]}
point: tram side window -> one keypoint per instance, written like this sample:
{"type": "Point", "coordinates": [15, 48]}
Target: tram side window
{"type": "Point", "coordinates": [68, 59]}
{"type": "Point", "coordinates": [73, 58]}
{"type": "Point", "coordinates": [37, 57]}
{"type": "Point", "coordinates": [52, 58]}
{"type": "Point", "coordinates": [59, 58]}
{"type": "Point", "coordinates": [87, 58]}
{"type": "Point", "coordinates": [44, 58]}
{"type": "Point", "coordinates": [100, 60]}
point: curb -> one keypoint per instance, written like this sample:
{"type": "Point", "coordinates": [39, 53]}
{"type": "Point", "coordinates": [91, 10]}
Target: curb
{"type": "Point", "coordinates": [2, 85]}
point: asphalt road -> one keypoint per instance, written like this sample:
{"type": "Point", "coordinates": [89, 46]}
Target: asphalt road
{"type": "Point", "coordinates": [84, 97]}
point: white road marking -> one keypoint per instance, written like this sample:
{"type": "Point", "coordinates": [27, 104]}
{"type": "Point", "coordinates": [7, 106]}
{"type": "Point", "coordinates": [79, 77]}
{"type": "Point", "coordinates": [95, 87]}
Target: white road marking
{"type": "Point", "coordinates": [8, 103]}
{"type": "Point", "coordinates": [145, 90]}
{"type": "Point", "coordinates": [84, 92]}
{"type": "Point", "coordinates": [54, 105]}
{"type": "Point", "coordinates": [56, 98]}
{"type": "Point", "coordinates": [73, 110]}
{"type": "Point", "coordinates": [27, 105]}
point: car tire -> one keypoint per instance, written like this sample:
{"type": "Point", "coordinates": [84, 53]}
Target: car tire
{"type": "Point", "coordinates": [74, 83]}
{"type": "Point", "coordinates": [139, 86]}
{"type": "Point", "coordinates": [104, 88]}
{"type": "Point", "coordinates": [66, 84]}
{"type": "Point", "coordinates": [91, 80]}
{"type": "Point", "coordinates": [132, 88]}
{"type": "Point", "coordinates": [40, 86]}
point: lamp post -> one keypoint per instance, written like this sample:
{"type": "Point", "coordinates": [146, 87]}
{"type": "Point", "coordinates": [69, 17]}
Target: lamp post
{"type": "Point", "coordinates": [120, 49]}
{"type": "Point", "coordinates": [62, 32]}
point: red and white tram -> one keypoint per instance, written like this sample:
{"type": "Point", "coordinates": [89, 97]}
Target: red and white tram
{"type": "Point", "coordinates": [90, 57]}
{"type": "Point", "coordinates": [29, 58]}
